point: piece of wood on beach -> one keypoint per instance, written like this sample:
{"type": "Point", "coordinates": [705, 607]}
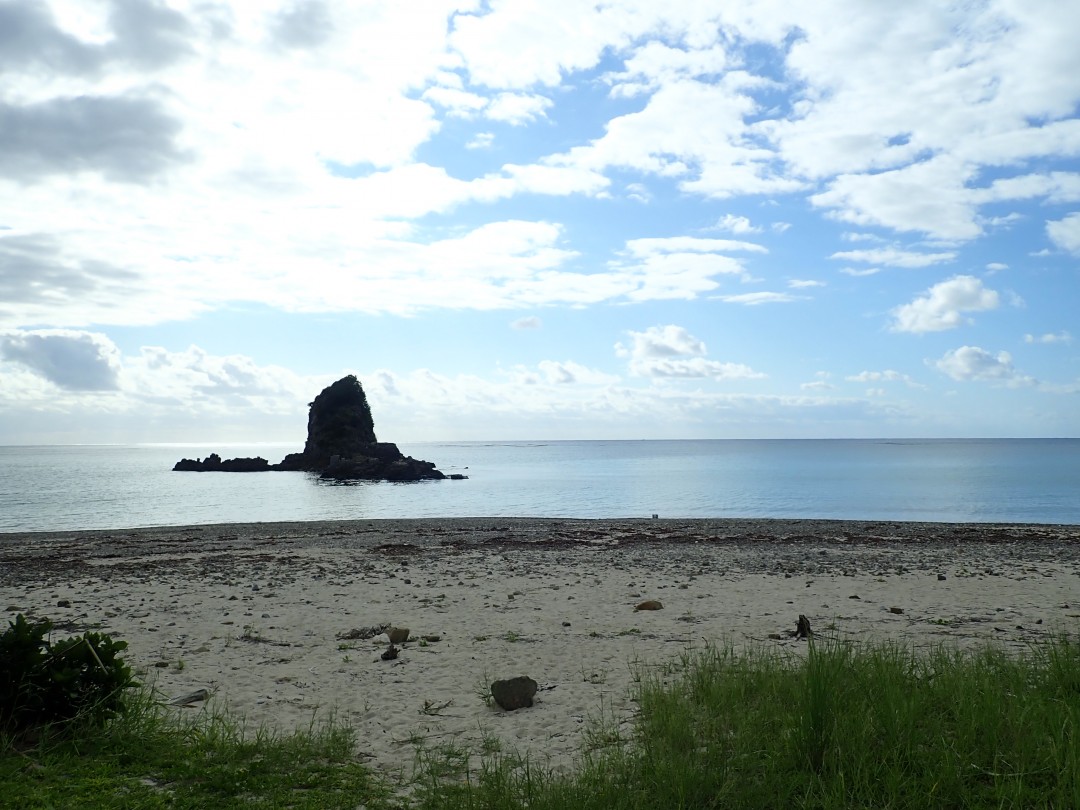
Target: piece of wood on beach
{"type": "Point", "coordinates": [802, 628]}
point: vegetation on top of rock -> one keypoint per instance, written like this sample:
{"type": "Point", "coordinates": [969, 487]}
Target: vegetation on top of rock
{"type": "Point", "coordinates": [339, 420]}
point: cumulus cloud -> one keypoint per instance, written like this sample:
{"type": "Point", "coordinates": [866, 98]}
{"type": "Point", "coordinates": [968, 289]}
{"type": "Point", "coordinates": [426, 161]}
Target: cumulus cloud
{"type": "Point", "coordinates": [72, 360]}
{"type": "Point", "coordinates": [517, 108]}
{"type": "Point", "coordinates": [708, 152]}
{"type": "Point", "coordinates": [971, 363]}
{"type": "Point", "coordinates": [944, 305]}
{"type": "Point", "coordinates": [1065, 233]}
{"type": "Point", "coordinates": [736, 224]}
{"type": "Point", "coordinates": [672, 352]}
{"type": "Point", "coordinates": [681, 266]}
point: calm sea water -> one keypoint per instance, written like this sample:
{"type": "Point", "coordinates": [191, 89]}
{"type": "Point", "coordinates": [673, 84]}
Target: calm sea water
{"type": "Point", "coordinates": [110, 487]}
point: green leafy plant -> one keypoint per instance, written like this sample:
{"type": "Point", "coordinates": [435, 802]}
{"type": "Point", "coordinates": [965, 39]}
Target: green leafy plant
{"type": "Point", "coordinates": [44, 684]}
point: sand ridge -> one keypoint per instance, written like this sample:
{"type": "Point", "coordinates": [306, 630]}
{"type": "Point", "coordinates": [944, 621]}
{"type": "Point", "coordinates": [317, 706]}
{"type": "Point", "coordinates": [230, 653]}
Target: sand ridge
{"type": "Point", "coordinates": [260, 614]}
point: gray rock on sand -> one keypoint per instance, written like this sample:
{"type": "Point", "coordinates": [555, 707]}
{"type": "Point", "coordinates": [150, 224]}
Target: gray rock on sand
{"type": "Point", "coordinates": [650, 604]}
{"type": "Point", "coordinates": [398, 635]}
{"type": "Point", "coordinates": [514, 693]}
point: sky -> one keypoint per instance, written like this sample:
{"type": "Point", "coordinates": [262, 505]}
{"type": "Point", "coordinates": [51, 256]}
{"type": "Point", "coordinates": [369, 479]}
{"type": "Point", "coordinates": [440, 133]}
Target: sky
{"type": "Point", "coordinates": [529, 220]}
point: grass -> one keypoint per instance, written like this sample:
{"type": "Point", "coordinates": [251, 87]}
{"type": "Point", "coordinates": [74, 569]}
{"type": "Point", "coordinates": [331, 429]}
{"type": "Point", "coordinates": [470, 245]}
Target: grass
{"type": "Point", "coordinates": [150, 759]}
{"type": "Point", "coordinates": [844, 726]}
{"type": "Point", "coordinates": [841, 726]}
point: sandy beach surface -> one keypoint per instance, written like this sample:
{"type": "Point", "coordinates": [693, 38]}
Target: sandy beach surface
{"type": "Point", "coordinates": [271, 618]}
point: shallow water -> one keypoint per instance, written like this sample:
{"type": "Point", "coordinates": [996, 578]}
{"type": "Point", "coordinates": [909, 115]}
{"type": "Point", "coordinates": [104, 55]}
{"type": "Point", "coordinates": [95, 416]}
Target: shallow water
{"type": "Point", "coordinates": [46, 488]}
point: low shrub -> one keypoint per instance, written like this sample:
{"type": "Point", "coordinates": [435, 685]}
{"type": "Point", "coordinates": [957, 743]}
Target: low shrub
{"type": "Point", "coordinates": [45, 684]}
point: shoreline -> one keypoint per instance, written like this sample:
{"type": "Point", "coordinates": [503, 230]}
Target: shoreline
{"type": "Point", "coordinates": [261, 614]}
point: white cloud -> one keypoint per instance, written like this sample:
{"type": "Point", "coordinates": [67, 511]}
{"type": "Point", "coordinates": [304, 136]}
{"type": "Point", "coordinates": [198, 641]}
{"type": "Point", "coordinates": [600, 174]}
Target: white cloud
{"type": "Point", "coordinates": [530, 322]}
{"type": "Point", "coordinates": [736, 224]}
{"type": "Point", "coordinates": [568, 372]}
{"type": "Point", "coordinates": [970, 363]}
{"type": "Point", "coordinates": [754, 299]}
{"type": "Point", "coordinates": [859, 272]}
{"type": "Point", "coordinates": [889, 375]}
{"type": "Point", "coordinates": [1049, 337]}
{"type": "Point", "coordinates": [1065, 233]}
{"type": "Point", "coordinates": [518, 108]}
{"type": "Point", "coordinates": [943, 306]}
{"type": "Point", "coordinates": [655, 63]}
{"type": "Point", "coordinates": [893, 257]}
{"type": "Point", "coordinates": [90, 391]}
{"type": "Point", "coordinates": [973, 86]}
{"type": "Point", "coordinates": [680, 266]}
{"type": "Point", "coordinates": [662, 341]}
{"type": "Point", "coordinates": [460, 102]}
{"type": "Point", "coordinates": [652, 246]}
{"type": "Point", "coordinates": [802, 284]}
{"type": "Point", "coordinates": [672, 352]}
{"type": "Point", "coordinates": [481, 140]}
{"type": "Point", "coordinates": [927, 197]}
{"type": "Point", "coordinates": [997, 267]}
{"type": "Point", "coordinates": [708, 152]}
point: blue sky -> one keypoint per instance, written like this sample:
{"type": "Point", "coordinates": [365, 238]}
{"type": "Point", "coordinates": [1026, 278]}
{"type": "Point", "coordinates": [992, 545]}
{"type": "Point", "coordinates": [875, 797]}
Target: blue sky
{"type": "Point", "coordinates": [525, 220]}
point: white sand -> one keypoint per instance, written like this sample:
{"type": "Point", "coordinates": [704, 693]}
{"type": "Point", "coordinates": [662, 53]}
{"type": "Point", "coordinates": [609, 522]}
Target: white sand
{"type": "Point", "coordinates": [254, 612]}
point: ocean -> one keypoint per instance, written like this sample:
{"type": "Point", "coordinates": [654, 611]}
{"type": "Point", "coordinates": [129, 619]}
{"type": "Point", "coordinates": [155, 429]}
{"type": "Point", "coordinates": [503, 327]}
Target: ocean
{"type": "Point", "coordinates": [61, 488]}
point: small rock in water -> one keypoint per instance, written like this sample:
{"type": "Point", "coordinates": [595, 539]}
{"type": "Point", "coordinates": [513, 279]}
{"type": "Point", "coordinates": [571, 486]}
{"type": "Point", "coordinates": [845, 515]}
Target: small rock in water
{"type": "Point", "coordinates": [896, 610]}
{"type": "Point", "coordinates": [64, 603]}
{"type": "Point", "coordinates": [650, 604]}
{"type": "Point", "coordinates": [941, 577]}
{"type": "Point", "coordinates": [514, 693]}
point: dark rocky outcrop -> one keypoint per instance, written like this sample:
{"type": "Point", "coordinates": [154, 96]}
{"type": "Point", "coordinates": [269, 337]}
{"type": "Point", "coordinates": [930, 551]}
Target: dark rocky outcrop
{"type": "Point", "coordinates": [214, 463]}
{"type": "Point", "coordinates": [341, 444]}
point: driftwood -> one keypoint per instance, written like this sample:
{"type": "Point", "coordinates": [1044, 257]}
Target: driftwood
{"type": "Point", "coordinates": [802, 629]}
{"type": "Point", "coordinates": [191, 698]}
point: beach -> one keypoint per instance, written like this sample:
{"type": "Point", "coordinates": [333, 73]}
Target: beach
{"type": "Point", "coordinates": [282, 623]}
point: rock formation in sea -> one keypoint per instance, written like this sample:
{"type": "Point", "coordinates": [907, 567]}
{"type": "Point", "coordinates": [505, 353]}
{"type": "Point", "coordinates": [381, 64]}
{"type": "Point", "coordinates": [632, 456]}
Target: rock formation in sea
{"type": "Point", "coordinates": [341, 444]}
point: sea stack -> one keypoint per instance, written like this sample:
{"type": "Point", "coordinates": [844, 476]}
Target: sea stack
{"type": "Point", "coordinates": [341, 444]}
